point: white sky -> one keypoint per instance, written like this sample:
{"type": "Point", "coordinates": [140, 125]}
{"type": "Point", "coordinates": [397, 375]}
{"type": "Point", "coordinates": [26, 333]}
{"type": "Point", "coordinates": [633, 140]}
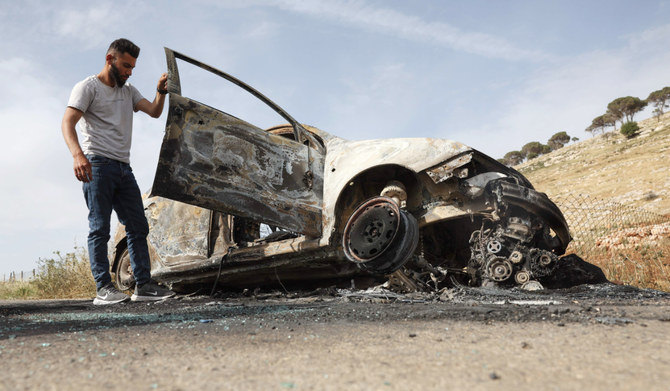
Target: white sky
{"type": "Point", "coordinates": [492, 74]}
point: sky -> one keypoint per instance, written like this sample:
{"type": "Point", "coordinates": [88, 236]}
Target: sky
{"type": "Point", "coordinates": [494, 75]}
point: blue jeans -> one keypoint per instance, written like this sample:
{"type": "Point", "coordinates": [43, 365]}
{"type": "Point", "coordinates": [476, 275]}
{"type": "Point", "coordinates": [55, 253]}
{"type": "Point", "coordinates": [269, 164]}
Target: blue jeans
{"type": "Point", "coordinates": [114, 187]}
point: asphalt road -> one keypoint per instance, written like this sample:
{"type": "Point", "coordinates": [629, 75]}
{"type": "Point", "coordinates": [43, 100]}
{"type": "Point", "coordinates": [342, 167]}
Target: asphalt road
{"type": "Point", "coordinates": [587, 337]}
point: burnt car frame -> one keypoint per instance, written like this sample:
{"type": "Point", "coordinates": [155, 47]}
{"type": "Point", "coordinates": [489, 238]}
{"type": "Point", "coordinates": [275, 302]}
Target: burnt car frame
{"type": "Point", "coordinates": [428, 211]}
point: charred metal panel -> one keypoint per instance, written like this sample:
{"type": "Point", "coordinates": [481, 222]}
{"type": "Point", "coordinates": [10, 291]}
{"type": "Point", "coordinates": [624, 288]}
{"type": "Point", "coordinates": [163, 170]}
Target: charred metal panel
{"type": "Point", "coordinates": [182, 242]}
{"type": "Point", "coordinates": [440, 213]}
{"type": "Point", "coordinates": [347, 159]}
{"type": "Point", "coordinates": [216, 161]}
{"type": "Point", "coordinates": [448, 169]}
{"type": "Point", "coordinates": [539, 204]}
{"type": "Point", "coordinates": [174, 86]}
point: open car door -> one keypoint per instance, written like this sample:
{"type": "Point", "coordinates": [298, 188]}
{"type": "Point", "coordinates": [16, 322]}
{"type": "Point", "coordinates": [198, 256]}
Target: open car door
{"type": "Point", "coordinates": [216, 161]}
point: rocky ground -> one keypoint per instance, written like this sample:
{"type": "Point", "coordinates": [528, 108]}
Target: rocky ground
{"type": "Point", "coordinates": [588, 337]}
{"type": "Point", "coordinates": [633, 172]}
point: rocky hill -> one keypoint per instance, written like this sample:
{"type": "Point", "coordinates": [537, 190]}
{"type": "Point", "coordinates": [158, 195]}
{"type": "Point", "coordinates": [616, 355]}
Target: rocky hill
{"type": "Point", "coordinates": [633, 172]}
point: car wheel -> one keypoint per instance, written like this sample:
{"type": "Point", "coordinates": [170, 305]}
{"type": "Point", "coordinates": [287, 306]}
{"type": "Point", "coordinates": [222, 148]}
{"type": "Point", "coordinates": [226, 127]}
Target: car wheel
{"type": "Point", "coordinates": [123, 274]}
{"type": "Point", "coordinates": [379, 236]}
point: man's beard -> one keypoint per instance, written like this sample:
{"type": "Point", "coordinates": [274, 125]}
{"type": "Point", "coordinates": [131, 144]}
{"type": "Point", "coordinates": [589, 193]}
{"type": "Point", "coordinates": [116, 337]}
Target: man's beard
{"type": "Point", "coordinates": [117, 76]}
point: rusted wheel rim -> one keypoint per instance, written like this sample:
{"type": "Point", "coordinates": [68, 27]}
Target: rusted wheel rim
{"type": "Point", "coordinates": [371, 229]}
{"type": "Point", "coordinates": [124, 277]}
{"type": "Point", "coordinates": [380, 237]}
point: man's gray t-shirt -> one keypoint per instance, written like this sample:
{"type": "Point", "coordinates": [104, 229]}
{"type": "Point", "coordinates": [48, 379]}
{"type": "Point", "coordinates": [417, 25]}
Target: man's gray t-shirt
{"type": "Point", "coordinates": [107, 123]}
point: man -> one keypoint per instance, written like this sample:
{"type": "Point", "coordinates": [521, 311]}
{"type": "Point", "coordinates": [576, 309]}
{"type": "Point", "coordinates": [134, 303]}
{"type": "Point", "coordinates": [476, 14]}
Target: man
{"type": "Point", "coordinates": [105, 104]}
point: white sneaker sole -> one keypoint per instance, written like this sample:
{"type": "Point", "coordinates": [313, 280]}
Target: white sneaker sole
{"type": "Point", "coordinates": [98, 301]}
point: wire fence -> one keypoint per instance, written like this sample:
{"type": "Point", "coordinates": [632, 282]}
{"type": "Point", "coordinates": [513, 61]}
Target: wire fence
{"type": "Point", "coordinates": [597, 226]}
{"type": "Point", "coordinates": [19, 276]}
{"type": "Point", "coordinates": [631, 245]}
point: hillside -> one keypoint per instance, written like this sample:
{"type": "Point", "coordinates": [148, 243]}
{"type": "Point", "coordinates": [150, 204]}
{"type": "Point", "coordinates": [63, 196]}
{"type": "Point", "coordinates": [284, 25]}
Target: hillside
{"type": "Point", "coordinates": [633, 172]}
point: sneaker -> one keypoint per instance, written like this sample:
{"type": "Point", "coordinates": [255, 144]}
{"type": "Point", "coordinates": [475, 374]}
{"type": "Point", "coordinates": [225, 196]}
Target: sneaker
{"type": "Point", "coordinates": [150, 292]}
{"type": "Point", "coordinates": [108, 294]}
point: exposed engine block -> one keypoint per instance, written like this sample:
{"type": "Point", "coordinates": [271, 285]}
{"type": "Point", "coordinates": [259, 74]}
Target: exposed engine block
{"type": "Point", "coordinates": [506, 252]}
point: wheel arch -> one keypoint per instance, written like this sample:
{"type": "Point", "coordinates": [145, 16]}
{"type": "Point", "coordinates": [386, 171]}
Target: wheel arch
{"type": "Point", "coordinates": [370, 183]}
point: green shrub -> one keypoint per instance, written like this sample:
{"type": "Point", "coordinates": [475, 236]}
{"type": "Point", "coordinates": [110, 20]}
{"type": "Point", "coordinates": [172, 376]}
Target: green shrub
{"type": "Point", "coordinates": [629, 129]}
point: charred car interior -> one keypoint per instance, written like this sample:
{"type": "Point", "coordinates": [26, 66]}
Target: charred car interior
{"type": "Point", "coordinates": [242, 207]}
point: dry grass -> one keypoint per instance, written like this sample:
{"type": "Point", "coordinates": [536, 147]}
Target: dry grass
{"type": "Point", "coordinates": [63, 276]}
{"type": "Point", "coordinates": [632, 173]}
{"type": "Point", "coordinates": [17, 290]}
{"type": "Point", "coordinates": [645, 266]}
{"type": "Point", "coordinates": [66, 276]}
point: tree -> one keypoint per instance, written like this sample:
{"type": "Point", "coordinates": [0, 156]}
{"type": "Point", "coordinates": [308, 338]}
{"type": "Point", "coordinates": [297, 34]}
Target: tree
{"type": "Point", "coordinates": [558, 140]}
{"type": "Point", "coordinates": [609, 120]}
{"type": "Point", "coordinates": [534, 149]}
{"type": "Point", "coordinates": [513, 158]}
{"type": "Point", "coordinates": [600, 122]}
{"type": "Point", "coordinates": [660, 99]}
{"type": "Point", "coordinates": [615, 110]}
{"type": "Point", "coordinates": [625, 108]}
{"type": "Point", "coordinates": [592, 129]}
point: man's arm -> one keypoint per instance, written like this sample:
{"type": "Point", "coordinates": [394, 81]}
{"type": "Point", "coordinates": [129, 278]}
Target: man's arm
{"type": "Point", "coordinates": [82, 167]}
{"type": "Point", "coordinates": [154, 108]}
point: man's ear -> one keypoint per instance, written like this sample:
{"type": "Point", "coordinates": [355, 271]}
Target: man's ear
{"type": "Point", "coordinates": [109, 58]}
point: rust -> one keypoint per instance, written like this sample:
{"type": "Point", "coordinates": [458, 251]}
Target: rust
{"type": "Point", "coordinates": [289, 205]}
{"type": "Point", "coordinates": [214, 160]}
{"type": "Point", "coordinates": [447, 170]}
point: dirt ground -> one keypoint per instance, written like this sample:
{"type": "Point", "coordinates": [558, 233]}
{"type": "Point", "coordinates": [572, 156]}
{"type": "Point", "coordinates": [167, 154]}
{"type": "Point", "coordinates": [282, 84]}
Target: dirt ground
{"type": "Point", "coordinates": [596, 337]}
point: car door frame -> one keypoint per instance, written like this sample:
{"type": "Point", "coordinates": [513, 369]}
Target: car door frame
{"type": "Point", "coordinates": [217, 161]}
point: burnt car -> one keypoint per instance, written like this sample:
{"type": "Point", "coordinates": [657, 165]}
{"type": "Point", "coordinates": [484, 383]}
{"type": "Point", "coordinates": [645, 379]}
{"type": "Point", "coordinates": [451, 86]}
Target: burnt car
{"type": "Point", "coordinates": [292, 204]}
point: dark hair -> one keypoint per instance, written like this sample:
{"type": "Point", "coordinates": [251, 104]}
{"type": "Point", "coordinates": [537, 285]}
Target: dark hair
{"type": "Point", "coordinates": [123, 45]}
